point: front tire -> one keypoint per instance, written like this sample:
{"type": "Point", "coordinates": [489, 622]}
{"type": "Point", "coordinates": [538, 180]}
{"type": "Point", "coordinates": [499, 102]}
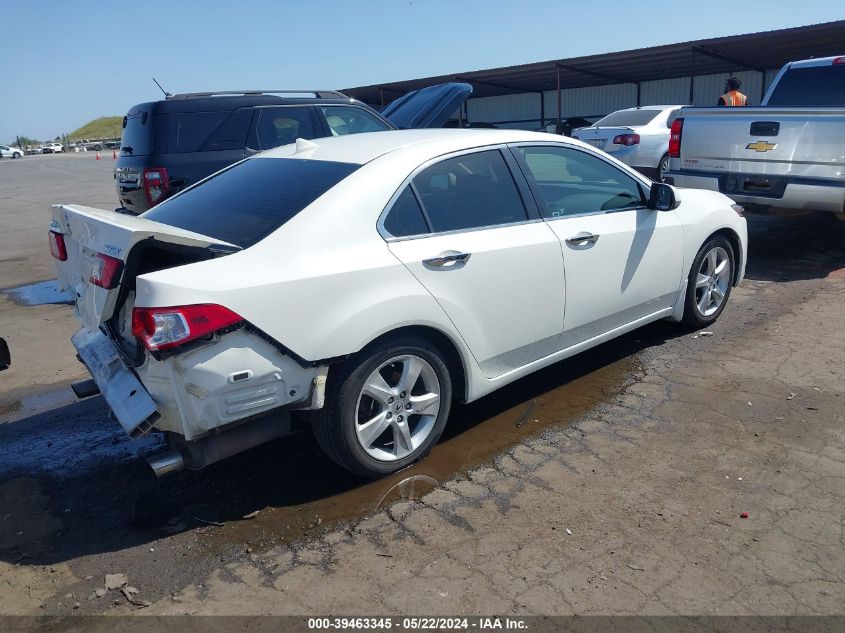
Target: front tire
{"type": "Point", "coordinates": [16, 155]}
{"type": "Point", "coordinates": [385, 407]}
{"type": "Point", "coordinates": [709, 283]}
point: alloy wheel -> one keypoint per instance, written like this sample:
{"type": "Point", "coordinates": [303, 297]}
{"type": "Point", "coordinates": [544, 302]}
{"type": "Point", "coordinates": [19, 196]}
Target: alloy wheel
{"type": "Point", "coordinates": [397, 408]}
{"type": "Point", "coordinates": [712, 281]}
{"type": "Point", "coordinates": [662, 168]}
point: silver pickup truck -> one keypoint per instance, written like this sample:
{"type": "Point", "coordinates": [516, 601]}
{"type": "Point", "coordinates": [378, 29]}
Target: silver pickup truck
{"type": "Point", "coordinates": [789, 153]}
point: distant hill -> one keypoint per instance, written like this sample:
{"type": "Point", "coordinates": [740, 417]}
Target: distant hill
{"type": "Point", "coordinates": [102, 128]}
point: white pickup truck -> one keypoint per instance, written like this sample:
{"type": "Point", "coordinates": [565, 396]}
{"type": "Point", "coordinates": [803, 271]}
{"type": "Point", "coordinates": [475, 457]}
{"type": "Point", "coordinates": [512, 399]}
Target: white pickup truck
{"type": "Point", "coordinates": [788, 154]}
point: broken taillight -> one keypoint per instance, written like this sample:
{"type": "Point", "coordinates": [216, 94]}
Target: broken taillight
{"type": "Point", "coordinates": [106, 271]}
{"type": "Point", "coordinates": [164, 328]}
{"type": "Point", "coordinates": [57, 246]}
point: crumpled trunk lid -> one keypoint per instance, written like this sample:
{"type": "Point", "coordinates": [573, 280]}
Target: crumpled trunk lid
{"type": "Point", "coordinates": [88, 232]}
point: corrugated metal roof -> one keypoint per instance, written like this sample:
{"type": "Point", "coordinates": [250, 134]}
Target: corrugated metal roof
{"type": "Point", "coordinates": [753, 51]}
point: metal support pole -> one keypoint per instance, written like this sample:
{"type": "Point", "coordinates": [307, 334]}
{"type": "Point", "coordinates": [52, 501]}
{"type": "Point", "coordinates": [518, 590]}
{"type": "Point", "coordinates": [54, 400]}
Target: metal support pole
{"type": "Point", "coordinates": [542, 110]}
{"type": "Point", "coordinates": [692, 81]}
{"type": "Point", "coordinates": [638, 94]}
{"type": "Point", "coordinates": [381, 96]}
{"type": "Point", "coordinates": [559, 100]}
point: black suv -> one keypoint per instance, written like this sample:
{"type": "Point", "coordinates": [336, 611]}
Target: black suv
{"type": "Point", "coordinates": [171, 144]}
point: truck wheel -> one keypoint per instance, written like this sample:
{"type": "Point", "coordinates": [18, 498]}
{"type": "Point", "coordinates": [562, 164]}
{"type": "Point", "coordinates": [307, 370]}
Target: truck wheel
{"type": "Point", "coordinates": [386, 407]}
{"type": "Point", "coordinates": [662, 168]}
{"type": "Point", "coordinates": [709, 283]}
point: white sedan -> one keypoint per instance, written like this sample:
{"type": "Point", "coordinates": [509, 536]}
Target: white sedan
{"type": "Point", "coordinates": [10, 152]}
{"type": "Point", "coordinates": [373, 279]}
{"type": "Point", "coordinates": [639, 137]}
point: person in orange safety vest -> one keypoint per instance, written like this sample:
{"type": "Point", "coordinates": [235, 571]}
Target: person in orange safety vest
{"type": "Point", "coordinates": [732, 96]}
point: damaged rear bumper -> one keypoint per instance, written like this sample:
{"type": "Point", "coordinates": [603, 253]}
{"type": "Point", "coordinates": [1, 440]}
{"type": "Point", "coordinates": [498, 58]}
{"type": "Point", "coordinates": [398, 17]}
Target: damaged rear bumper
{"type": "Point", "coordinates": [131, 403]}
{"type": "Point", "coordinates": [232, 378]}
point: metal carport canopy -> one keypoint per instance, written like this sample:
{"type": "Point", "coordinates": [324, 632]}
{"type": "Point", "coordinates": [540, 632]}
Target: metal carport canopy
{"type": "Point", "coordinates": [753, 51]}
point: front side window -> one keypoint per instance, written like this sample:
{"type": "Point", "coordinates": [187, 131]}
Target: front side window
{"type": "Point", "coordinates": [280, 126]}
{"type": "Point", "coordinates": [469, 191]}
{"type": "Point", "coordinates": [571, 181]}
{"type": "Point", "coordinates": [351, 120]}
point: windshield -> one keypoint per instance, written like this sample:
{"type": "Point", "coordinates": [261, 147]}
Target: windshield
{"type": "Point", "coordinates": [245, 203]}
{"type": "Point", "coordinates": [628, 118]}
{"type": "Point", "coordinates": [810, 86]}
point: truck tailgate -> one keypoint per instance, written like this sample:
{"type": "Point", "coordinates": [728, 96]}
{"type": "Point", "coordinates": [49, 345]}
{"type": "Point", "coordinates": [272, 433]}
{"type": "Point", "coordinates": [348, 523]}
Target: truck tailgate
{"type": "Point", "coordinates": [801, 142]}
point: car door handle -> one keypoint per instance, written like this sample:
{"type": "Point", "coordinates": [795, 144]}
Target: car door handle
{"type": "Point", "coordinates": [447, 258]}
{"type": "Point", "coordinates": [583, 238]}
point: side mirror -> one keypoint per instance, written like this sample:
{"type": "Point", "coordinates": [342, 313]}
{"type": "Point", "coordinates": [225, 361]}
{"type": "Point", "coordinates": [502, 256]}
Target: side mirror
{"type": "Point", "coordinates": [662, 197]}
{"type": "Point", "coordinates": [5, 357]}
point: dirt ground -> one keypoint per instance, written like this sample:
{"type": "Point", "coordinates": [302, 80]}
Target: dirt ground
{"type": "Point", "coordinates": [611, 483]}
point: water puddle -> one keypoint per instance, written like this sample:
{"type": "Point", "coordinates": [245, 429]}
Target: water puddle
{"type": "Point", "coordinates": [306, 494]}
{"type": "Point", "coordinates": [282, 492]}
{"type": "Point", "coordinates": [41, 293]}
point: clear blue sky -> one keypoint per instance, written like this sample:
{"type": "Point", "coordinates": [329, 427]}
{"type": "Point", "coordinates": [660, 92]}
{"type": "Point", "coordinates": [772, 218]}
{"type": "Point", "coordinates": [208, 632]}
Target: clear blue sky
{"type": "Point", "coordinates": [75, 61]}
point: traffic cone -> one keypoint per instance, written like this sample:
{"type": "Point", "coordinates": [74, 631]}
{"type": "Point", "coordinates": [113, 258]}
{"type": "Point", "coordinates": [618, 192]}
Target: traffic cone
{"type": "Point", "coordinates": [98, 156]}
{"type": "Point", "coordinates": [114, 155]}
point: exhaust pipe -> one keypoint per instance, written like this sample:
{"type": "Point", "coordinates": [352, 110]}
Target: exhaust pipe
{"type": "Point", "coordinates": [166, 463]}
{"type": "Point", "coordinates": [198, 454]}
{"type": "Point", "coordinates": [85, 388]}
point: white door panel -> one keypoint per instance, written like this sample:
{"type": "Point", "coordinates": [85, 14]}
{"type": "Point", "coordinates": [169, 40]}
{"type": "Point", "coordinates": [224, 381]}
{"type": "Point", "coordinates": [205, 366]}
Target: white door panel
{"type": "Point", "coordinates": [506, 299]}
{"type": "Point", "coordinates": [632, 269]}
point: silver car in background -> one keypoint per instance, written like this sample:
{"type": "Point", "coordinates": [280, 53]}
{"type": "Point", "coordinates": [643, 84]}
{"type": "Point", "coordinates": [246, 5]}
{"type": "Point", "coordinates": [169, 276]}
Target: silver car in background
{"type": "Point", "coordinates": [639, 137]}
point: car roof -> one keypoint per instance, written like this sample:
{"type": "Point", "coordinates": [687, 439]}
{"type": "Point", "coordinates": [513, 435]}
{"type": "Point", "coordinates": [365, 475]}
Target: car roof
{"type": "Point", "coordinates": [363, 148]}
{"type": "Point", "coordinates": [228, 103]}
{"type": "Point", "coordinates": [820, 61]}
{"type": "Point", "coordinates": [652, 107]}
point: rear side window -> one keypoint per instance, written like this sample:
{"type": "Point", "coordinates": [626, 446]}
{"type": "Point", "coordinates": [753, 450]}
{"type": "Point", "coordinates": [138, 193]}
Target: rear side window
{"type": "Point", "coordinates": [470, 191]}
{"type": "Point", "coordinates": [279, 126]}
{"type": "Point", "coordinates": [181, 132]}
{"type": "Point", "coordinates": [351, 120]}
{"type": "Point", "coordinates": [811, 86]}
{"type": "Point", "coordinates": [406, 216]}
{"type": "Point", "coordinates": [245, 203]}
{"type": "Point", "coordinates": [628, 118]}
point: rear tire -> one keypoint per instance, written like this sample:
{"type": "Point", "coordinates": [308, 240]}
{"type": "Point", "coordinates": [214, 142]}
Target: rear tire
{"type": "Point", "coordinates": [709, 283]}
{"type": "Point", "coordinates": [662, 168]}
{"type": "Point", "coordinates": [385, 407]}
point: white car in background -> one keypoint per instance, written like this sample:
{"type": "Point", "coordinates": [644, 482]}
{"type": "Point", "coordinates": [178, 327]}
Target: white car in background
{"type": "Point", "coordinates": [374, 278]}
{"type": "Point", "coordinates": [52, 148]}
{"type": "Point", "coordinates": [10, 152]}
{"type": "Point", "coordinates": [639, 137]}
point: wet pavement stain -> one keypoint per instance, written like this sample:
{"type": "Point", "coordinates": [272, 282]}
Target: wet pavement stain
{"type": "Point", "coordinates": [328, 496]}
{"type": "Point", "coordinates": [41, 293]}
{"type": "Point", "coordinates": [93, 479]}
{"type": "Point", "coordinates": [16, 406]}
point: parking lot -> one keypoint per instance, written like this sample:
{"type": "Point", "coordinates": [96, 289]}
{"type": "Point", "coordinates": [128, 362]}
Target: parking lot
{"type": "Point", "coordinates": [609, 483]}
